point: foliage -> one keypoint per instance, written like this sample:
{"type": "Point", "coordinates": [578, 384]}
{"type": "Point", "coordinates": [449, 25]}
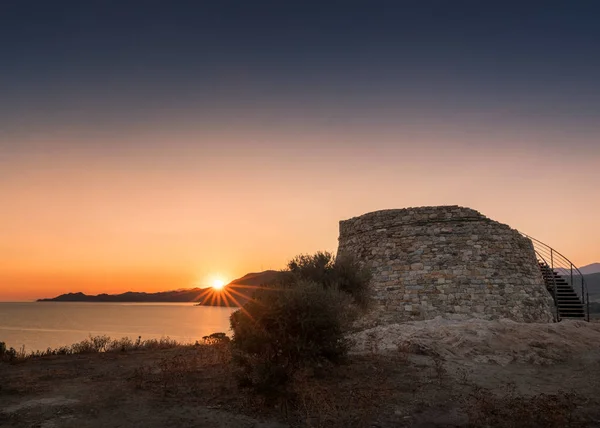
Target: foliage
{"type": "Point", "coordinates": [92, 345]}
{"type": "Point", "coordinates": [215, 338]}
{"type": "Point", "coordinates": [299, 323]}
{"type": "Point", "coordinates": [284, 329]}
{"type": "Point", "coordinates": [323, 268]}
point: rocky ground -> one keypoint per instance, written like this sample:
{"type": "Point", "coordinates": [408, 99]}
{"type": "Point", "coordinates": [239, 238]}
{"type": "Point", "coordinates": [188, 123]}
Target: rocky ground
{"type": "Point", "coordinates": [423, 374]}
{"type": "Point", "coordinates": [499, 342]}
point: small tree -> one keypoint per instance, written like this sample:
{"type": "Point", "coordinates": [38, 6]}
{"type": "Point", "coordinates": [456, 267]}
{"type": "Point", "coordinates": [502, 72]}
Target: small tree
{"type": "Point", "coordinates": [287, 328]}
{"type": "Point", "coordinates": [344, 273]}
{"type": "Point", "coordinates": [299, 323]}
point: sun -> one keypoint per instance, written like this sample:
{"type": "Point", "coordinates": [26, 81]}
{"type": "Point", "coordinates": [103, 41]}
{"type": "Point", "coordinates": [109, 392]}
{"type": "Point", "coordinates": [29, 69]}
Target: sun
{"type": "Point", "coordinates": [218, 284]}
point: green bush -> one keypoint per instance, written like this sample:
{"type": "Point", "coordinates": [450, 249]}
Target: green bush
{"type": "Point", "coordinates": [215, 338]}
{"type": "Point", "coordinates": [299, 323]}
{"type": "Point", "coordinates": [343, 273]}
{"type": "Point", "coordinates": [285, 328]}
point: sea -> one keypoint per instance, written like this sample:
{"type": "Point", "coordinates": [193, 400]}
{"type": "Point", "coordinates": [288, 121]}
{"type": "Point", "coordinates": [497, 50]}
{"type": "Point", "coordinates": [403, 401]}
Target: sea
{"type": "Point", "coordinates": [42, 325]}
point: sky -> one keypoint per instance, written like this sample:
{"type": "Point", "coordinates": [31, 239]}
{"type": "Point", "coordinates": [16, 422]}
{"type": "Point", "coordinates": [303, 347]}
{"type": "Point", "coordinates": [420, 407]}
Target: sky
{"type": "Point", "coordinates": [159, 145]}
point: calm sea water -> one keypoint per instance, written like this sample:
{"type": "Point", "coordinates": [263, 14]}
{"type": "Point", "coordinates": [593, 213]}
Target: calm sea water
{"type": "Point", "coordinates": [39, 325]}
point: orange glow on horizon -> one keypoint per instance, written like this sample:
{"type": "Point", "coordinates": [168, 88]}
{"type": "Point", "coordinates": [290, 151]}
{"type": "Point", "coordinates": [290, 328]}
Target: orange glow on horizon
{"type": "Point", "coordinates": [109, 224]}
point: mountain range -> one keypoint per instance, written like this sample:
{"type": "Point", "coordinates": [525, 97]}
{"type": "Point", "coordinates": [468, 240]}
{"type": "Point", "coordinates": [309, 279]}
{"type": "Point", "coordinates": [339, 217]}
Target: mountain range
{"type": "Point", "coordinates": [236, 293]}
{"type": "Point", "coordinates": [590, 269]}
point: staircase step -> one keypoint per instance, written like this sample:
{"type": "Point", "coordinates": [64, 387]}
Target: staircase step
{"type": "Point", "coordinates": [559, 283]}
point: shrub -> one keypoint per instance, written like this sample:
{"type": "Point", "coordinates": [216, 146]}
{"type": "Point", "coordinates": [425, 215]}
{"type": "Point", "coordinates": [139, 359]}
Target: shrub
{"type": "Point", "coordinates": [215, 338]}
{"type": "Point", "coordinates": [91, 345]}
{"type": "Point", "coordinates": [123, 344]}
{"type": "Point", "coordinates": [323, 268]}
{"type": "Point", "coordinates": [285, 328]}
{"type": "Point", "coordinates": [9, 354]}
{"type": "Point", "coordinates": [299, 323]}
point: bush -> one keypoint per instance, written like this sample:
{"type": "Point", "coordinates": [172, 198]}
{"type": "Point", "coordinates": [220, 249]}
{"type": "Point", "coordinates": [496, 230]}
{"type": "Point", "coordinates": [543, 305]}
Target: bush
{"type": "Point", "coordinates": [8, 354]}
{"type": "Point", "coordinates": [91, 345]}
{"type": "Point", "coordinates": [343, 273]}
{"type": "Point", "coordinates": [299, 323]}
{"type": "Point", "coordinates": [215, 338]}
{"type": "Point", "coordinates": [284, 329]}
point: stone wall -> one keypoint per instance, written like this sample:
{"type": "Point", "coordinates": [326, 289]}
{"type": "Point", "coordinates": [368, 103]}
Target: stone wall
{"type": "Point", "coordinates": [449, 261]}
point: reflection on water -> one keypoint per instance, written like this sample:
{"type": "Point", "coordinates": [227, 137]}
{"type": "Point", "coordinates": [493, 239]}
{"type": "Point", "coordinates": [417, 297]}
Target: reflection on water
{"type": "Point", "coordinates": [38, 326]}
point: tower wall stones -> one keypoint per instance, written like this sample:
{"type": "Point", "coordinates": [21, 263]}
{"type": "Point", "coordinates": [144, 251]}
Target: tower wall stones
{"type": "Point", "coordinates": [449, 261]}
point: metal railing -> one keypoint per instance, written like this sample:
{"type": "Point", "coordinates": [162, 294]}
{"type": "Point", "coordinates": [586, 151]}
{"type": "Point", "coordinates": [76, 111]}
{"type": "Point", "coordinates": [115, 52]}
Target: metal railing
{"type": "Point", "coordinates": [565, 268]}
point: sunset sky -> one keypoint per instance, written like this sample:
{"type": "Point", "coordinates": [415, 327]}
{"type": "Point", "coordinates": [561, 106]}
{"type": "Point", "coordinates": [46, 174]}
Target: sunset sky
{"type": "Point", "coordinates": [159, 145]}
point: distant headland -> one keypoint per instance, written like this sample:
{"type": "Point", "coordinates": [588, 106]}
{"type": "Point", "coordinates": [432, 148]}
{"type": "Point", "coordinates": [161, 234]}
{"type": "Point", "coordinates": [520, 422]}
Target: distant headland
{"type": "Point", "coordinates": [240, 290]}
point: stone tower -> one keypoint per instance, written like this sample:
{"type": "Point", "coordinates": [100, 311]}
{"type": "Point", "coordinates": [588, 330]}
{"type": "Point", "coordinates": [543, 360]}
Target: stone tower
{"type": "Point", "coordinates": [449, 261]}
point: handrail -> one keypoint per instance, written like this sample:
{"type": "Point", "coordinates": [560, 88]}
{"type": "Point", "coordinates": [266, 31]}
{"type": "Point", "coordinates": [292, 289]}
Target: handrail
{"type": "Point", "coordinates": [564, 267]}
{"type": "Point", "coordinates": [546, 245]}
{"type": "Point", "coordinates": [554, 295]}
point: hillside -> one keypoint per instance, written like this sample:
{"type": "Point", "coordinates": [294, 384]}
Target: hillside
{"type": "Point", "coordinates": [593, 286]}
{"type": "Point", "coordinates": [236, 292]}
{"type": "Point", "coordinates": [188, 295]}
{"type": "Point", "coordinates": [590, 269]}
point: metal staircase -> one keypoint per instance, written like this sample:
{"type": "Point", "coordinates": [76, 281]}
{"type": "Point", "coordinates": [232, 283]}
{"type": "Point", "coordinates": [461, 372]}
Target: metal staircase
{"type": "Point", "coordinates": [564, 281]}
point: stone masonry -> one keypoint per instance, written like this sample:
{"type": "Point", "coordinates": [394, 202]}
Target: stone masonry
{"type": "Point", "coordinates": [449, 261]}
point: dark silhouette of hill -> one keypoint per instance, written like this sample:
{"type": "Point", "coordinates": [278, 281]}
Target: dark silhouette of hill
{"type": "Point", "coordinates": [258, 278]}
{"type": "Point", "coordinates": [236, 293]}
{"type": "Point", "coordinates": [188, 295]}
{"type": "Point", "coordinates": [590, 269]}
{"type": "Point", "coordinates": [593, 285]}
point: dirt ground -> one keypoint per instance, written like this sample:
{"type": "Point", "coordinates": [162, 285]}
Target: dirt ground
{"type": "Point", "coordinates": [193, 387]}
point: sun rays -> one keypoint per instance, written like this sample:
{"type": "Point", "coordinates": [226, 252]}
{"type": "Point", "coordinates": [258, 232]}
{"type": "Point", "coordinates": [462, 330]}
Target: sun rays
{"type": "Point", "coordinates": [228, 295]}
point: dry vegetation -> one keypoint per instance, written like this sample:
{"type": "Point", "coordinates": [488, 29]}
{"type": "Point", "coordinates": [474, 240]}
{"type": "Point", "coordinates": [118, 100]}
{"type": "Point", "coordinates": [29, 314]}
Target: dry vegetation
{"type": "Point", "coordinates": [195, 385]}
{"type": "Point", "coordinates": [91, 345]}
{"type": "Point", "coordinates": [288, 365]}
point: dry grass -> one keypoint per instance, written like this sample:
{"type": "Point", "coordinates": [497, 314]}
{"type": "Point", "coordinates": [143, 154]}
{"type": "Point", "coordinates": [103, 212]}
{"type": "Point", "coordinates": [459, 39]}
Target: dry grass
{"type": "Point", "coordinates": [510, 410]}
{"type": "Point", "coordinates": [201, 370]}
{"type": "Point", "coordinates": [369, 390]}
{"type": "Point", "coordinates": [366, 389]}
{"type": "Point", "coordinates": [91, 345]}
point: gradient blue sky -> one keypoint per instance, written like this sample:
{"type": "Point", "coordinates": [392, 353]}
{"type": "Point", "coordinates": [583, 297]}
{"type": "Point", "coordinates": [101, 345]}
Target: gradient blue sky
{"type": "Point", "coordinates": [187, 140]}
